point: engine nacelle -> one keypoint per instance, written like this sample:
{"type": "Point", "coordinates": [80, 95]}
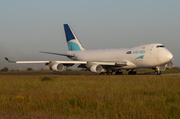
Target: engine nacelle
{"type": "Point", "coordinates": [96, 68]}
{"type": "Point", "coordinates": [169, 65]}
{"type": "Point", "coordinates": [57, 67]}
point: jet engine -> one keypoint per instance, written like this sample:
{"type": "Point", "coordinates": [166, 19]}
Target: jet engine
{"type": "Point", "coordinates": [57, 67]}
{"type": "Point", "coordinates": [169, 65]}
{"type": "Point", "coordinates": [96, 68]}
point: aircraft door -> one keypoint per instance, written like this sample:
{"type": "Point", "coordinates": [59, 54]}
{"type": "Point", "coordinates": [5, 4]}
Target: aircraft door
{"type": "Point", "coordinates": [154, 54]}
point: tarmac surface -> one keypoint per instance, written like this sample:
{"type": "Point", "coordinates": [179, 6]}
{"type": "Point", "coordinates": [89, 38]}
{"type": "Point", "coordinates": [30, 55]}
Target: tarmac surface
{"type": "Point", "coordinates": [173, 74]}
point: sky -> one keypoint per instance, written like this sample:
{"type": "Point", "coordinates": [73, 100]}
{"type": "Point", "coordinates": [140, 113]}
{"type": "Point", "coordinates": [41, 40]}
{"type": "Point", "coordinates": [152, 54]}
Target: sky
{"type": "Point", "coordinates": [30, 26]}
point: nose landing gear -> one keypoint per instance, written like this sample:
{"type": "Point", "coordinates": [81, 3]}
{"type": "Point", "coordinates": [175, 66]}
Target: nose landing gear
{"type": "Point", "coordinates": [158, 72]}
{"type": "Point", "coordinates": [159, 69]}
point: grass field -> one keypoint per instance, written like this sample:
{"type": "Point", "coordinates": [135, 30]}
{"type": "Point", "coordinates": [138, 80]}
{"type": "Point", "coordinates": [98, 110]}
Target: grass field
{"type": "Point", "coordinates": [90, 96]}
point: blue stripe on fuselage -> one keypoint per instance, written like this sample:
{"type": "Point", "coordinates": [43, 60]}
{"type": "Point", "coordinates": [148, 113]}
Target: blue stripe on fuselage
{"type": "Point", "coordinates": [140, 57]}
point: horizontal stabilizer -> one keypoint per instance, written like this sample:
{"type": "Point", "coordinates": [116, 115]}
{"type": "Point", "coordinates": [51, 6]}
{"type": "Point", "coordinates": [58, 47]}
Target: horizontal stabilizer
{"type": "Point", "coordinates": [57, 54]}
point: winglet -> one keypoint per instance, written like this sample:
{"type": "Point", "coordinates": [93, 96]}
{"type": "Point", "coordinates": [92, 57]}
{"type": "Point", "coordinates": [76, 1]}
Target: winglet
{"type": "Point", "coordinates": [9, 60]}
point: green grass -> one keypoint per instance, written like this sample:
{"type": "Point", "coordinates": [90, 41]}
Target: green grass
{"type": "Point", "coordinates": [46, 72]}
{"type": "Point", "coordinates": [90, 96]}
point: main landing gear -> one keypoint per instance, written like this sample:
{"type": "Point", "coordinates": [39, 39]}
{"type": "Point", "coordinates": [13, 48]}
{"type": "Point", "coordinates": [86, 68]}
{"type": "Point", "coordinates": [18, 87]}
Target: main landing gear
{"type": "Point", "coordinates": [106, 73]}
{"type": "Point", "coordinates": [132, 72]}
{"type": "Point", "coordinates": [118, 73]}
{"type": "Point", "coordinates": [111, 73]}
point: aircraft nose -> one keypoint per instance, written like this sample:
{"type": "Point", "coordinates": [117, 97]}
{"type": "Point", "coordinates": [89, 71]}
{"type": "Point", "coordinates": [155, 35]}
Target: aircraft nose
{"type": "Point", "coordinates": [165, 56]}
{"type": "Point", "coordinates": [169, 56]}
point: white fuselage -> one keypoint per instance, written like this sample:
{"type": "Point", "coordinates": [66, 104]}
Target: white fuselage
{"type": "Point", "coordinates": [144, 56]}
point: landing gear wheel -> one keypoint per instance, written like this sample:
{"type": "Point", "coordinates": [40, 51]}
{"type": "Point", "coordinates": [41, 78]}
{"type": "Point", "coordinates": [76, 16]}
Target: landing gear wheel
{"type": "Point", "coordinates": [158, 72]}
{"type": "Point", "coordinates": [132, 73]}
{"type": "Point", "coordinates": [102, 73]}
{"type": "Point", "coordinates": [109, 73]}
{"type": "Point", "coordinates": [118, 73]}
{"type": "Point", "coordinates": [105, 73]}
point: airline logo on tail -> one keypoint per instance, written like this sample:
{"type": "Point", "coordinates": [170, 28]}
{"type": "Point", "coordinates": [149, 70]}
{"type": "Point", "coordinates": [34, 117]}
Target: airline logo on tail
{"type": "Point", "coordinates": [72, 41]}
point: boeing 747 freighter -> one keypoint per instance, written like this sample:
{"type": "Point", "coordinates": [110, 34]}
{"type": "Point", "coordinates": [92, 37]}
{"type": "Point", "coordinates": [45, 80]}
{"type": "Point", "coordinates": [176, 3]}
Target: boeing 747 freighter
{"type": "Point", "coordinates": [110, 61]}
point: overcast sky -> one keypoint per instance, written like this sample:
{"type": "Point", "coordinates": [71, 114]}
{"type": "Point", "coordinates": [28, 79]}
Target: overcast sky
{"type": "Point", "coordinates": [30, 26]}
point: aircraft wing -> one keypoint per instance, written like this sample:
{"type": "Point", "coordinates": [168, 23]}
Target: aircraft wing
{"type": "Point", "coordinates": [57, 54]}
{"type": "Point", "coordinates": [103, 63]}
{"type": "Point", "coordinates": [113, 63]}
{"type": "Point", "coordinates": [62, 62]}
{"type": "Point", "coordinates": [10, 61]}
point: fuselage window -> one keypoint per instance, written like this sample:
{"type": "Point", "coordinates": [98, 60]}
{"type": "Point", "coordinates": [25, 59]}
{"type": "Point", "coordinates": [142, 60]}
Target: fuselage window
{"type": "Point", "coordinates": [160, 46]}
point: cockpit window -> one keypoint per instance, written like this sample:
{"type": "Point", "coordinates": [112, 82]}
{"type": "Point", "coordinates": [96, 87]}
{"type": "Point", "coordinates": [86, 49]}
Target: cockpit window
{"type": "Point", "coordinates": [160, 46]}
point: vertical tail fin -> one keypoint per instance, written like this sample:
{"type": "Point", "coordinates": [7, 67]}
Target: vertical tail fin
{"type": "Point", "coordinates": [72, 41]}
